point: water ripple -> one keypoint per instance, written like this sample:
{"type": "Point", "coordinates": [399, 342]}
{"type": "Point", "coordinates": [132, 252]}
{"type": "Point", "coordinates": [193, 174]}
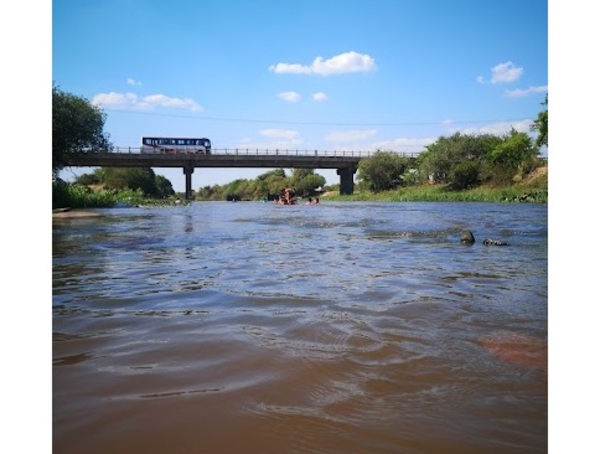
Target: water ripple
{"type": "Point", "coordinates": [348, 327]}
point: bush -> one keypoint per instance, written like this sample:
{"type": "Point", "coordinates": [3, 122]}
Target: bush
{"type": "Point", "coordinates": [77, 196]}
{"type": "Point", "coordinates": [464, 175]}
{"type": "Point", "coordinates": [382, 171]}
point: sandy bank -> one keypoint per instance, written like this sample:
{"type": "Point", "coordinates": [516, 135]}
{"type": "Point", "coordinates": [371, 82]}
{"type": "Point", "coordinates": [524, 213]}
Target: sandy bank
{"type": "Point", "coordinates": [71, 214]}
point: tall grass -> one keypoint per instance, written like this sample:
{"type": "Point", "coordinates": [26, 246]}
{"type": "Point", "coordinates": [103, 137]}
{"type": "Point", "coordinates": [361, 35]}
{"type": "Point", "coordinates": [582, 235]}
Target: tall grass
{"type": "Point", "coordinates": [508, 194]}
{"type": "Point", "coordinates": [78, 196]}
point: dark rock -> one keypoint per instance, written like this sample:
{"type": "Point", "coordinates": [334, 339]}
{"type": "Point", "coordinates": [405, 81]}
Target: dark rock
{"type": "Point", "coordinates": [466, 237]}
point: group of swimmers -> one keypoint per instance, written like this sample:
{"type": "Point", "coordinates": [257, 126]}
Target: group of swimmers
{"type": "Point", "coordinates": [289, 198]}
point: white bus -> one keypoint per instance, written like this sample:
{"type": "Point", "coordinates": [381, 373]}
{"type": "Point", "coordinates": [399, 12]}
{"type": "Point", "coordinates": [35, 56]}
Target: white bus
{"type": "Point", "coordinates": [172, 145]}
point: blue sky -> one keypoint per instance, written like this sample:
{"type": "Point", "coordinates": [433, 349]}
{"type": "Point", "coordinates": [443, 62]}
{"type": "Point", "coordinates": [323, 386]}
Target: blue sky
{"type": "Point", "coordinates": [326, 75]}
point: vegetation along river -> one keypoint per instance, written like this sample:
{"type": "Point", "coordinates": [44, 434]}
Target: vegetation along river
{"type": "Point", "coordinates": [346, 327]}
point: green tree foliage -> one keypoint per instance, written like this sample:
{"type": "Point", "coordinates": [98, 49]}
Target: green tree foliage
{"type": "Point", "coordinates": [508, 157]}
{"type": "Point", "coordinates": [259, 188]}
{"type": "Point", "coordinates": [440, 157]}
{"type": "Point", "coordinates": [164, 188]}
{"type": "Point", "coordinates": [464, 161]}
{"type": "Point", "coordinates": [306, 182]}
{"type": "Point", "coordinates": [541, 125]}
{"type": "Point", "coordinates": [210, 193]}
{"type": "Point", "coordinates": [119, 178]}
{"type": "Point", "coordinates": [238, 189]}
{"type": "Point", "coordinates": [464, 175]}
{"type": "Point", "coordinates": [80, 196]}
{"type": "Point", "coordinates": [77, 127]}
{"type": "Point", "coordinates": [413, 177]}
{"type": "Point", "coordinates": [88, 179]}
{"type": "Point", "coordinates": [383, 170]}
{"type": "Point", "coordinates": [274, 180]}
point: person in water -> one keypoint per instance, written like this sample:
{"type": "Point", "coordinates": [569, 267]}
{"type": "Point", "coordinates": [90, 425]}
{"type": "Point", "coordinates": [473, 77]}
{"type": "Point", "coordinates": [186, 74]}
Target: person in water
{"type": "Point", "coordinates": [288, 196]}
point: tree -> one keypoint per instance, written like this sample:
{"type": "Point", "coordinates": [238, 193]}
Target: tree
{"type": "Point", "coordinates": [164, 187]}
{"type": "Point", "coordinates": [509, 156]}
{"type": "Point", "coordinates": [443, 155]}
{"type": "Point", "coordinates": [275, 180]}
{"type": "Point", "coordinates": [541, 125]}
{"type": "Point", "coordinates": [210, 193]}
{"type": "Point", "coordinates": [88, 179]}
{"type": "Point", "coordinates": [133, 178]}
{"type": "Point", "coordinates": [383, 170]}
{"type": "Point", "coordinates": [464, 175]}
{"type": "Point", "coordinates": [259, 189]}
{"type": "Point", "coordinates": [119, 178]}
{"type": "Point", "coordinates": [77, 127]}
{"type": "Point", "coordinates": [305, 182]}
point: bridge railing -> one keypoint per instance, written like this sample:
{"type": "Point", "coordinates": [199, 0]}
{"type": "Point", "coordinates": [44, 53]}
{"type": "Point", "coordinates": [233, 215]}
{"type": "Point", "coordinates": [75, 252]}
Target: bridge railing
{"type": "Point", "coordinates": [274, 152]}
{"type": "Point", "coordinates": [288, 152]}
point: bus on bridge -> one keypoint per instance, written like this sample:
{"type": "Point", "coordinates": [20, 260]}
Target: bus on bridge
{"type": "Point", "coordinates": [173, 145]}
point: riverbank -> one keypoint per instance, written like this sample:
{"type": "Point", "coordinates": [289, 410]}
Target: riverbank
{"type": "Point", "coordinates": [531, 189]}
{"type": "Point", "coordinates": [68, 213]}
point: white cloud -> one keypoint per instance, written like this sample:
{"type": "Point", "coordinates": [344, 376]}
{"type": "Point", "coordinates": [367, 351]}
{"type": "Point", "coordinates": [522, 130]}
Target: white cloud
{"type": "Point", "coordinates": [480, 79]}
{"type": "Point", "coordinates": [133, 101]}
{"type": "Point", "coordinates": [273, 139]}
{"type": "Point", "coordinates": [519, 93]}
{"type": "Point", "coordinates": [498, 129]}
{"type": "Point", "coordinates": [290, 68]}
{"type": "Point", "coordinates": [399, 145]}
{"type": "Point", "coordinates": [289, 96]}
{"type": "Point", "coordinates": [134, 82]}
{"type": "Point", "coordinates": [114, 99]}
{"type": "Point", "coordinates": [505, 73]}
{"type": "Point", "coordinates": [279, 133]}
{"type": "Point", "coordinates": [175, 103]}
{"type": "Point", "coordinates": [283, 144]}
{"type": "Point", "coordinates": [351, 141]}
{"type": "Point", "coordinates": [348, 62]}
{"type": "Point", "coordinates": [404, 144]}
{"type": "Point", "coordinates": [319, 96]}
{"type": "Point", "coordinates": [350, 136]}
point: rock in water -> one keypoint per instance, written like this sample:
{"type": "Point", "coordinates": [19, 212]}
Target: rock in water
{"type": "Point", "coordinates": [493, 242]}
{"type": "Point", "coordinates": [466, 237]}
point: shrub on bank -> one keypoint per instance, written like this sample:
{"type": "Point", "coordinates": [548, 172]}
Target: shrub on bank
{"type": "Point", "coordinates": [78, 196]}
{"type": "Point", "coordinates": [439, 193]}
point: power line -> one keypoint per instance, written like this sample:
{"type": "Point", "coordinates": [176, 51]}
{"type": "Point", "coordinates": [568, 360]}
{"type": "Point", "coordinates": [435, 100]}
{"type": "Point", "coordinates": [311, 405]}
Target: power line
{"type": "Point", "coordinates": [314, 123]}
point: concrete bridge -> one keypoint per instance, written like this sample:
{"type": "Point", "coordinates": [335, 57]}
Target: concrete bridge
{"type": "Point", "coordinates": [345, 162]}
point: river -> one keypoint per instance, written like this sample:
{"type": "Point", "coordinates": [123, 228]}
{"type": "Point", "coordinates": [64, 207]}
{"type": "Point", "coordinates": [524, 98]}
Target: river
{"type": "Point", "coordinates": [346, 327]}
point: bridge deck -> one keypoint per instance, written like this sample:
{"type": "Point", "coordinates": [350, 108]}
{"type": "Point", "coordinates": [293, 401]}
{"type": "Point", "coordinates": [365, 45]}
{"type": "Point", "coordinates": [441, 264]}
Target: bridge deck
{"type": "Point", "coordinates": [212, 160]}
{"type": "Point", "coordinates": [131, 157]}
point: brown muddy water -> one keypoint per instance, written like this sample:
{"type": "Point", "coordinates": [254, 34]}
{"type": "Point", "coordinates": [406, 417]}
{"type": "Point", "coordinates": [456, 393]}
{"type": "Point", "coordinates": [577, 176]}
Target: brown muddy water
{"type": "Point", "coordinates": [341, 328]}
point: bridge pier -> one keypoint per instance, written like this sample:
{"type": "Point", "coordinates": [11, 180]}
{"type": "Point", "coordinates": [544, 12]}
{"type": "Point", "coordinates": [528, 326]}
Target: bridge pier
{"type": "Point", "coordinates": [346, 180]}
{"type": "Point", "coordinates": [188, 170]}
